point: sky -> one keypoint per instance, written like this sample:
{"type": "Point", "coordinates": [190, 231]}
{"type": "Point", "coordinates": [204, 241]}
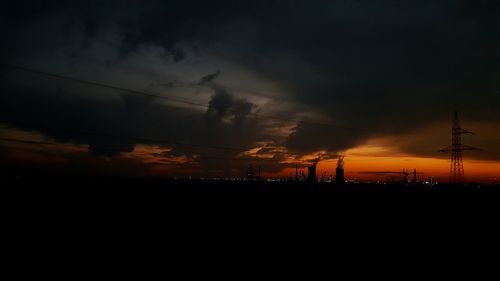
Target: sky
{"type": "Point", "coordinates": [207, 88]}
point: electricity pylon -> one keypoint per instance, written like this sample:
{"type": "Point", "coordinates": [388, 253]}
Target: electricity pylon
{"type": "Point", "coordinates": [457, 173]}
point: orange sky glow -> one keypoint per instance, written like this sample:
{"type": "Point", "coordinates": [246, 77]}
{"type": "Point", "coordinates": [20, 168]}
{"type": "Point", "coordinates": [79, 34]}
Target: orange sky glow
{"type": "Point", "coordinates": [366, 158]}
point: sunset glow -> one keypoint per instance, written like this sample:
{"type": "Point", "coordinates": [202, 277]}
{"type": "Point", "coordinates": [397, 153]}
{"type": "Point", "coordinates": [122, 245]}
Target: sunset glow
{"type": "Point", "coordinates": [405, 92]}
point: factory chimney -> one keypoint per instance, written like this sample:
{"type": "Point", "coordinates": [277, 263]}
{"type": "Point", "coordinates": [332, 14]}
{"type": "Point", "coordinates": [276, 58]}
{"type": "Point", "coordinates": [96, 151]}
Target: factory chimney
{"type": "Point", "coordinates": [311, 176]}
{"type": "Point", "coordinates": [339, 175]}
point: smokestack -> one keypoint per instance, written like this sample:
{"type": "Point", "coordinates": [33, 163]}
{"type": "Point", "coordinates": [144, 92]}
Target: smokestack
{"type": "Point", "coordinates": [311, 175]}
{"type": "Point", "coordinates": [339, 175]}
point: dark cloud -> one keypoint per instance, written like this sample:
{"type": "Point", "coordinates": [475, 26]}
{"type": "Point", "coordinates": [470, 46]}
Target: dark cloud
{"type": "Point", "coordinates": [113, 126]}
{"type": "Point", "coordinates": [382, 67]}
{"type": "Point", "coordinates": [376, 67]}
{"type": "Point", "coordinates": [223, 104]}
{"type": "Point", "coordinates": [209, 78]}
{"type": "Point", "coordinates": [310, 137]}
{"type": "Point", "coordinates": [150, 22]}
{"type": "Point", "coordinates": [57, 163]}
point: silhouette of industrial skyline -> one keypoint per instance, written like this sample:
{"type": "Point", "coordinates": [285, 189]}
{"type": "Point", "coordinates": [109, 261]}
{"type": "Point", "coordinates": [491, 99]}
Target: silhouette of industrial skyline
{"type": "Point", "coordinates": [301, 95]}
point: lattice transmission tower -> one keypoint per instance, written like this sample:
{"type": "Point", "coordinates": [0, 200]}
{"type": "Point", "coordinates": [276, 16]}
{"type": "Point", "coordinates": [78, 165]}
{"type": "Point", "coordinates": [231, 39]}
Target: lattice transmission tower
{"type": "Point", "coordinates": [457, 173]}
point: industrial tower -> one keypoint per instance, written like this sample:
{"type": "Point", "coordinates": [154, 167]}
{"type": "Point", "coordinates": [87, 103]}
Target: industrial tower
{"type": "Point", "coordinates": [311, 175]}
{"type": "Point", "coordinates": [457, 174]}
{"type": "Point", "coordinates": [339, 173]}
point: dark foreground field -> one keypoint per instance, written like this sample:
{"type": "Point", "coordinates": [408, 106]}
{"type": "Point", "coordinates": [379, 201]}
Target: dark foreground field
{"type": "Point", "coordinates": [107, 200]}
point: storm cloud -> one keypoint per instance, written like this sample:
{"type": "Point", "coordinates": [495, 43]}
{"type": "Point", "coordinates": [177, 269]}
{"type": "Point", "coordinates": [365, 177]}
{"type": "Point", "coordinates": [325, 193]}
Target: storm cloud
{"type": "Point", "coordinates": [362, 69]}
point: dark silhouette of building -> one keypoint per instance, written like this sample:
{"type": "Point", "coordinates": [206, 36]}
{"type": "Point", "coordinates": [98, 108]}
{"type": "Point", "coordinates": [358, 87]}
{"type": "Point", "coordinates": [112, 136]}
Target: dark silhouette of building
{"type": "Point", "coordinates": [403, 178]}
{"type": "Point", "coordinates": [251, 174]}
{"type": "Point", "coordinates": [339, 175]}
{"type": "Point", "coordinates": [311, 175]}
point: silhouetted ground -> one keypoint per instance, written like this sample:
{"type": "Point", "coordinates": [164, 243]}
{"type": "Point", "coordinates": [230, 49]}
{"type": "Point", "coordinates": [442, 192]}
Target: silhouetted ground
{"type": "Point", "coordinates": [70, 184]}
{"type": "Point", "coordinates": [161, 202]}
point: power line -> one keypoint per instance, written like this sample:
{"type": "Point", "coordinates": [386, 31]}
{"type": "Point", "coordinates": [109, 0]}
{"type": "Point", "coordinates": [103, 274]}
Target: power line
{"type": "Point", "coordinates": [98, 84]}
{"type": "Point", "coordinates": [51, 143]}
{"type": "Point", "coordinates": [170, 98]}
{"type": "Point", "coordinates": [111, 149]}
{"type": "Point", "coordinates": [134, 138]}
{"type": "Point", "coordinates": [145, 140]}
{"type": "Point", "coordinates": [241, 159]}
{"type": "Point", "coordinates": [26, 141]}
